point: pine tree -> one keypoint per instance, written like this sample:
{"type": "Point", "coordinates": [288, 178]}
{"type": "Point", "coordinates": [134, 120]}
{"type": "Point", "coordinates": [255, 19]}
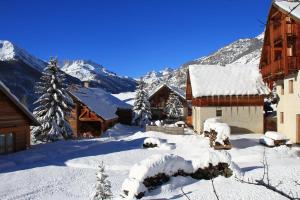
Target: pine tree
{"type": "Point", "coordinates": [103, 185]}
{"type": "Point", "coordinates": [141, 107]}
{"type": "Point", "coordinates": [53, 106]}
{"type": "Point", "coordinates": [174, 107]}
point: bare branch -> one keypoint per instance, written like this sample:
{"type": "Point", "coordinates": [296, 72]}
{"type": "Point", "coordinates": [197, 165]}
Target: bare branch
{"type": "Point", "coordinates": [267, 183]}
{"type": "Point", "coordinates": [213, 185]}
{"type": "Point", "coordinates": [185, 194]}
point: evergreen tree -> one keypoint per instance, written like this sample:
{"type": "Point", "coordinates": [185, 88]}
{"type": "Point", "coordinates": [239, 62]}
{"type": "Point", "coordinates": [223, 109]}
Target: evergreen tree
{"type": "Point", "coordinates": [174, 107]}
{"type": "Point", "coordinates": [53, 106]}
{"type": "Point", "coordinates": [141, 107]}
{"type": "Point", "coordinates": [103, 185]}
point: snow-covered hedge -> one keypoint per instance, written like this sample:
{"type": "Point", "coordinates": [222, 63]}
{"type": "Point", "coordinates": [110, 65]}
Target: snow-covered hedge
{"type": "Point", "coordinates": [168, 164]}
{"type": "Point", "coordinates": [157, 169]}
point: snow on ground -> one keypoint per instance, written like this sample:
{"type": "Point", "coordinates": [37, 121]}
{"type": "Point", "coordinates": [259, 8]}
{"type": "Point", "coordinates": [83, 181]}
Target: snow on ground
{"type": "Point", "coordinates": [127, 97]}
{"type": "Point", "coordinates": [67, 169]}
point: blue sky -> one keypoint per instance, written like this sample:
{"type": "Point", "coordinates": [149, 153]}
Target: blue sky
{"type": "Point", "coordinates": [129, 37]}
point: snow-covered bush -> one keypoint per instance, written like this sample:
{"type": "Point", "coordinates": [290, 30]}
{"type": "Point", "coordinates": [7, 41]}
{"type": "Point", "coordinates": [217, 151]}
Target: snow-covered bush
{"type": "Point", "coordinates": [222, 130]}
{"type": "Point", "coordinates": [157, 169]}
{"type": "Point", "coordinates": [267, 141]}
{"type": "Point", "coordinates": [133, 188]}
{"type": "Point", "coordinates": [158, 123]}
{"type": "Point", "coordinates": [152, 142]}
{"type": "Point", "coordinates": [275, 135]}
{"type": "Point", "coordinates": [173, 107]}
{"type": "Point", "coordinates": [54, 106]}
{"type": "Point", "coordinates": [141, 107]}
{"type": "Point", "coordinates": [156, 142]}
{"type": "Point", "coordinates": [168, 164]}
{"type": "Point", "coordinates": [103, 189]}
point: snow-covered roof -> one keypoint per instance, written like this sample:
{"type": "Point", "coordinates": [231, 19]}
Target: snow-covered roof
{"type": "Point", "coordinates": [99, 101]}
{"type": "Point", "coordinates": [293, 8]}
{"type": "Point", "coordinates": [214, 80]}
{"type": "Point", "coordinates": [16, 101]}
{"type": "Point", "coordinates": [175, 90]}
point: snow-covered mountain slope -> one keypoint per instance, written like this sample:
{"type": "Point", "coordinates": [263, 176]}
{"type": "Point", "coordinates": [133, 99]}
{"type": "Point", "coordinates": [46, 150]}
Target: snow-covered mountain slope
{"type": "Point", "coordinates": [10, 52]}
{"type": "Point", "coordinates": [98, 76]}
{"type": "Point", "coordinates": [19, 71]}
{"type": "Point", "coordinates": [242, 51]}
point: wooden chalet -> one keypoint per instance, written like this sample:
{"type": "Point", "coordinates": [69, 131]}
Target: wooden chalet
{"type": "Point", "coordinates": [15, 122]}
{"type": "Point", "coordinates": [158, 100]}
{"type": "Point", "coordinates": [235, 94]}
{"type": "Point", "coordinates": [94, 111]}
{"type": "Point", "coordinates": [280, 63]}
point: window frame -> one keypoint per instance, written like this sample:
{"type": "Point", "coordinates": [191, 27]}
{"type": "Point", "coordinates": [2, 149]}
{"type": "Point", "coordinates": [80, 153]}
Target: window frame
{"type": "Point", "coordinates": [12, 147]}
{"type": "Point", "coordinates": [218, 111]}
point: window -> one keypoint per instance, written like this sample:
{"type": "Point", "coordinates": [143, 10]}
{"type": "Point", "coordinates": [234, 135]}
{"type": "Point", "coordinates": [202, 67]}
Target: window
{"type": "Point", "coordinates": [291, 86]}
{"type": "Point", "coordinates": [281, 118]}
{"type": "Point", "coordinates": [6, 143]}
{"type": "Point", "coordinates": [282, 90]}
{"type": "Point", "coordinates": [219, 112]}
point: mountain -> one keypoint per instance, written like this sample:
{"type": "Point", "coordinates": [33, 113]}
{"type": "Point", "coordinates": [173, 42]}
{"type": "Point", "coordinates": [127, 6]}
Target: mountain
{"type": "Point", "coordinates": [98, 76]}
{"type": "Point", "coordinates": [242, 51]}
{"type": "Point", "coordinates": [19, 71]}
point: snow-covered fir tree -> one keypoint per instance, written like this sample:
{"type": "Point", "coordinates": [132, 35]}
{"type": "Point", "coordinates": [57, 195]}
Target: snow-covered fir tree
{"type": "Point", "coordinates": [103, 188]}
{"type": "Point", "coordinates": [141, 107]}
{"type": "Point", "coordinates": [173, 107]}
{"type": "Point", "coordinates": [53, 106]}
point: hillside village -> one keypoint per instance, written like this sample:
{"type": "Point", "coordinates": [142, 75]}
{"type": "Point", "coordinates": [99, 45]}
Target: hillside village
{"type": "Point", "coordinates": [224, 126]}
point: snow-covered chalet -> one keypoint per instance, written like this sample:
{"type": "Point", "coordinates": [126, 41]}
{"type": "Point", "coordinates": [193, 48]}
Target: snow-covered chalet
{"type": "Point", "coordinates": [280, 64]}
{"type": "Point", "coordinates": [15, 122]}
{"type": "Point", "coordinates": [94, 111]}
{"type": "Point", "coordinates": [159, 97]}
{"type": "Point", "coordinates": [233, 93]}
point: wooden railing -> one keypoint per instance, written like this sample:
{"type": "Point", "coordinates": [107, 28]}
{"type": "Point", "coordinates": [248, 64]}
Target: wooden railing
{"type": "Point", "coordinates": [292, 63]}
{"type": "Point", "coordinates": [278, 66]}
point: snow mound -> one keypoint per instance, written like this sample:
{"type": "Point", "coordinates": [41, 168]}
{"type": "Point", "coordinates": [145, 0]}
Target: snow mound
{"type": "Point", "coordinates": [222, 129]}
{"type": "Point", "coordinates": [211, 157]}
{"type": "Point", "coordinates": [133, 188]}
{"type": "Point", "coordinates": [160, 143]}
{"type": "Point", "coordinates": [153, 141]}
{"type": "Point", "coordinates": [168, 164]}
{"type": "Point", "coordinates": [267, 141]}
{"type": "Point", "coordinates": [275, 135]}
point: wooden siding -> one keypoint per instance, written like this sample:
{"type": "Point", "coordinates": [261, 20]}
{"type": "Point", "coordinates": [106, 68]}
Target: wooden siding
{"type": "Point", "coordinates": [229, 101]}
{"type": "Point", "coordinates": [281, 49]}
{"type": "Point", "coordinates": [12, 120]}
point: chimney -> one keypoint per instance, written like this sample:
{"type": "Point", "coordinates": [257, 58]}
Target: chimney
{"type": "Point", "coordinates": [86, 84]}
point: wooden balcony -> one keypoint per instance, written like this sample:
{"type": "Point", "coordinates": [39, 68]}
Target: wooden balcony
{"type": "Point", "coordinates": [277, 67]}
{"type": "Point", "coordinates": [266, 71]}
{"type": "Point", "coordinates": [292, 63]}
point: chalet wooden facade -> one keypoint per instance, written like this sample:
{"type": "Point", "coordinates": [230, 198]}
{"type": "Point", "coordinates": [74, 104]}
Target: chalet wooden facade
{"type": "Point", "coordinates": [280, 64]}
{"type": "Point", "coordinates": [158, 100]}
{"type": "Point", "coordinates": [94, 111]}
{"type": "Point", "coordinates": [226, 93]}
{"type": "Point", "coordinates": [15, 122]}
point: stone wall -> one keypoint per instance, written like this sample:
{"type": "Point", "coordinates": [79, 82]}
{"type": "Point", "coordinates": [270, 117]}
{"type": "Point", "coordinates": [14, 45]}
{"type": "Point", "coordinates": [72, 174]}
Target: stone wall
{"type": "Point", "coordinates": [168, 130]}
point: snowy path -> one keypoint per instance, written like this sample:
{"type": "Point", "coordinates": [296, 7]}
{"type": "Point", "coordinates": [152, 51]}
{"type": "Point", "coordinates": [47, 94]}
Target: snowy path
{"type": "Point", "coordinates": [66, 170]}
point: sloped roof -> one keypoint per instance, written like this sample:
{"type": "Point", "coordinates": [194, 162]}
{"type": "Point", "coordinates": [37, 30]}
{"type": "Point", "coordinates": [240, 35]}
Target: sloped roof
{"type": "Point", "coordinates": [293, 8]}
{"type": "Point", "coordinates": [16, 101]}
{"type": "Point", "coordinates": [214, 80]}
{"type": "Point", "coordinates": [175, 90]}
{"type": "Point", "coordinates": [99, 101]}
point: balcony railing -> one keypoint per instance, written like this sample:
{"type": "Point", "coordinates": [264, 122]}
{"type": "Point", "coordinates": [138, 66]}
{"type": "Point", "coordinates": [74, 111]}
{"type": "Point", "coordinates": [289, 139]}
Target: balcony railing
{"type": "Point", "coordinates": [278, 66]}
